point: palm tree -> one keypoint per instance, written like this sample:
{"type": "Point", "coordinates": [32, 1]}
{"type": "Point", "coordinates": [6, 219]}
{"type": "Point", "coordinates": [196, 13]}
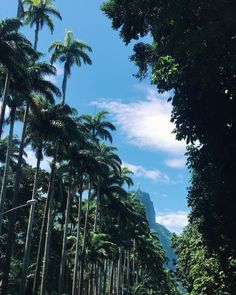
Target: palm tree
{"type": "Point", "coordinates": [23, 85]}
{"type": "Point", "coordinates": [109, 161]}
{"type": "Point", "coordinates": [35, 82]}
{"type": "Point", "coordinates": [39, 131]}
{"type": "Point", "coordinates": [69, 52]}
{"type": "Point", "coordinates": [67, 130]}
{"type": "Point", "coordinates": [15, 52]}
{"type": "Point", "coordinates": [38, 14]}
{"type": "Point", "coordinates": [98, 127]}
{"type": "Point", "coordinates": [7, 163]}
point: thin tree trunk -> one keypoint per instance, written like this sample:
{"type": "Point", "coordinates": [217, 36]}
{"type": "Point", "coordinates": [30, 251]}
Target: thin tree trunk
{"type": "Point", "coordinates": [134, 261]}
{"type": "Point", "coordinates": [97, 209]}
{"type": "Point", "coordinates": [100, 281]}
{"type": "Point", "coordinates": [47, 247]}
{"type": "Point", "coordinates": [4, 102]}
{"type": "Point", "coordinates": [118, 272]}
{"type": "Point", "coordinates": [6, 169]}
{"type": "Point", "coordinates": [64, 243]}
{"type": "Point", "coordinates": [12, 218]}
{"type": "Point", "coordinates": [111, 277]}
{"type": "Point", "coordinates": [19, 9]}
{"type": "Point", "coordinates": [64, 84]}
{"type": "Point", "coordinates": [124, 271]}
{"type": "Point", "coordinates": [105, 277]}
{"type": "Point", "coordinates": [81, 278]}
{"type": "Point", "coordinates": [44, 223]}
{"type": "Point", "coordinates": [75, 275]}
{"type": "Point", "coordinates": [36, 36]}
{"type": "Point", "coordinates": [26, 258]}
{"type": "Point", "coordinates": [114, 279]}
{"type": "Point", "coordinates": [128, 270]}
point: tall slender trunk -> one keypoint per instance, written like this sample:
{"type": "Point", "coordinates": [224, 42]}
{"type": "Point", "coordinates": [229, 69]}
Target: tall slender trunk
{"type": "Point", "coordinates": [64, 84]}
{"type": "Point", "coordinates": [12, 217]}
{"type": "Point", "coordinates": [128, 270]}
{"type": "Point", "coordinates": [81, 277]}
{"type": "Point", "coordinates": [118, 272]}
{"type": "Point", "coordinates": [75, 275]}
{"type": "Point", "coordinates": [64, 243]}
{"type": "Point", "coordinates": [36, 36]}
{"type": "Point", "coordinates": [19, 9]}
{"type": "Point", "coordinates": [6, 169]}
{"type": "Point", "coordinates": [44, 223]}
{"type": "Point", "coordinates": [46, 249]}
{"type": "Point", "coordinates": [111, 277]}
{"type": "Point", "coordinates": [26, 258]}
{"type": "Point", "coordinates": [104, 289]}
{"type": "Point", "coordinates": [134, 263]}
{"type": "Point", "coordinates": [123, 273]}
{"type": "Point", "coordinates": [4, 102]}
{"type": "Point", "coordinates": [97, 209]}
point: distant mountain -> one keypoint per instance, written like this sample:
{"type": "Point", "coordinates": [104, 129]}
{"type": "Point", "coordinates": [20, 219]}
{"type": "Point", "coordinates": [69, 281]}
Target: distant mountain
{"type": "Point", "coordinates": [163, 233]}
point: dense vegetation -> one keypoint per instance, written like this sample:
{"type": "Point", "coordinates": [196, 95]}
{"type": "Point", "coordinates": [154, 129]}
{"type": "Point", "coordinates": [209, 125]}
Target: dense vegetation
{"type": "Point", "coordinates": [193, 52]}
{"type": "Point", "coordinates": [73, 229]}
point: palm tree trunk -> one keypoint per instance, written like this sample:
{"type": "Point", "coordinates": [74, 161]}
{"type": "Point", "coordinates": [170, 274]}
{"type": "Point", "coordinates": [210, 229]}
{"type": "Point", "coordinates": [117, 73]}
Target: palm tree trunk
{"type": "Point", "coordinates": [19, 9]}
{"type": "Point", "coordinates": [111, 277]}
{"type": "Point", "coordinates": [4, 102]}
{"type": "Point", "coordinates": [128, 270]}
{"type": "Point", "coordinates": [6, 169]}
{"type": "Point", "coordinates": [97, 209]}
{"type": "Point", "coordinates": [64, 84]}
{"type": "Point", "coordinates": [75, 275]}
{"type": "Point", "coordinates": [26, 258]}
{"type": "Point", "coordinates": [81, 278]}
{"type": "Point", "coordinates": [64, 243]}
{"type": "Point", "coordinates": [47, 247]}
{"type": "Point", "coordinates": [44, 223]}
{"type": "Point", "coordinates": [123, 273]}
{"type": "Point", "coordinates": [12, 218]}
{"type": "Point", "coordinates": [105, 271]}
{"type": "Point", "coordinates": [36, 36]}
{"type": "Point", "coordinates": [118, 272]}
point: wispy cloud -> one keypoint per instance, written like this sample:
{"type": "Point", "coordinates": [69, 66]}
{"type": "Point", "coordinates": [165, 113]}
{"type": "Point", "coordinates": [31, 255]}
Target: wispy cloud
{"type": "Point", "coordinates": [154, 175]}
{"type": "Point", "coordinates": [174, 221]}
{"type": "Point", "coordinates": [146, 122]}
{"type": "Point", "coordinates": [176, 163]}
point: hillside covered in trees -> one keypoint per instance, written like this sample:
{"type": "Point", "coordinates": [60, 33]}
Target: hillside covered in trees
{"type": "Point", "coordinates": [162, 232]}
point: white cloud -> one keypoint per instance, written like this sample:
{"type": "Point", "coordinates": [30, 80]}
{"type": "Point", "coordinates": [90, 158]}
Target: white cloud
{"type": "Point", "coordinates": [176, 163]}
{"type": "Point", "coordinates": [154, 175]}
{"type": "Point", "coordinates": [146, 122]}
{"type": "Point", "coordinates": [174, 221]}
{"type": "Point", "coordinates": [32, 161]}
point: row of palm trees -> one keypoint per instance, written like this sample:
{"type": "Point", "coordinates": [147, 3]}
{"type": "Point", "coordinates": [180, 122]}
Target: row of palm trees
{"type": "Point", "coordinates": [104, 245]}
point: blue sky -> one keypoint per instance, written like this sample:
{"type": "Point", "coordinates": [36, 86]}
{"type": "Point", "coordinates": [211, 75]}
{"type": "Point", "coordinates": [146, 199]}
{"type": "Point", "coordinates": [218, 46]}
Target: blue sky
{"type": "Point", "coordinates": [141, 115]}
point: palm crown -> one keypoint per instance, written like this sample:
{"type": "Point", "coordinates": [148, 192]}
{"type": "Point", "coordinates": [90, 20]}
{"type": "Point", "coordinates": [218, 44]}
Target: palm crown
{"type": "Point", "coordinates": [38, 13]}
{"type": "Point", "coordinates": [69, 52]}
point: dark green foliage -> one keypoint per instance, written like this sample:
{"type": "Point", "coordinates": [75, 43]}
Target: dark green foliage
{"type": "Point", "coordinates": [198, 270]}
{"type": "Point", "coordinates": [193, 52]}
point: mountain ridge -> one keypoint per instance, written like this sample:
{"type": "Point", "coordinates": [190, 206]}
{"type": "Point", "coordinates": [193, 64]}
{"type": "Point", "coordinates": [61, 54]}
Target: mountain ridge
{"type": "Point", "coordinates": [163, 233]}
